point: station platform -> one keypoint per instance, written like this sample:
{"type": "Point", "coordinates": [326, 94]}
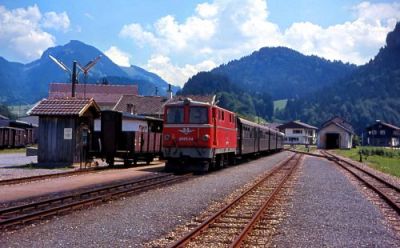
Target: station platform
{"type": "Point", "coordinates": [62, 185]}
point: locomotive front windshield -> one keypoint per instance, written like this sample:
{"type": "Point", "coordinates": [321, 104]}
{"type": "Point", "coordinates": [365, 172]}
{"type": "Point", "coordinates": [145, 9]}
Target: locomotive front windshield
{"type": "Point", "coordinates": [175, 115]}
{"type": "Point", "coordinates": [198, 115]}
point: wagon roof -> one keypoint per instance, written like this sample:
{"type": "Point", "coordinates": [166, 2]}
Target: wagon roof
{"type": "Point", "coordinates": [139, 117]}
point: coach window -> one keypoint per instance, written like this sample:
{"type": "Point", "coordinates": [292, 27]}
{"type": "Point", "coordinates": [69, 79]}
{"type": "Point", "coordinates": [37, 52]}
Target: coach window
{"type": "Point", "coordinates": [175, 115]}
{"type": "Point", "coordinates": [198, 115]}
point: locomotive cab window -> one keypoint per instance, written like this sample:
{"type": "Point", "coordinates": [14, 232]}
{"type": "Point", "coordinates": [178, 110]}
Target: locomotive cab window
{"type": "Point", "coordinates": [198, 115]}
{"type": "Point", "coordinates": [175, 115]}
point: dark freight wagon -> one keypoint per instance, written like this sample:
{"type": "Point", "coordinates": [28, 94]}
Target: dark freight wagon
{"type": "Point", "coordinates": [128, 137]}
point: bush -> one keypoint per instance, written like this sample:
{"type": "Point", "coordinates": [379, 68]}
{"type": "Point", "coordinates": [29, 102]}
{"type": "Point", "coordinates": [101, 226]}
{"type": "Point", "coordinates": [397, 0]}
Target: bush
{"type": "Point", "coordinates": [370, 151]}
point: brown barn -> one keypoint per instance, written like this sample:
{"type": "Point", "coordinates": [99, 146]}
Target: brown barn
{"type": "Point", "coordinates": [65, 127]}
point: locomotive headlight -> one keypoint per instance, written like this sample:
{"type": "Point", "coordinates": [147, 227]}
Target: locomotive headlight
{"type": "Point", "coordinates": [167, 137]}
{"type": "Point", "coordinates": [206, 137]}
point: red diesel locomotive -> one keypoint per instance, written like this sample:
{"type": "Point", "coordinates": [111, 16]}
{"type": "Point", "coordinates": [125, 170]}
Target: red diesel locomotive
{"type": "Point", "coordinates": [199, 136]}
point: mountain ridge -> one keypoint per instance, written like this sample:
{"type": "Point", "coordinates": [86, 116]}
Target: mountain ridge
{"type": "Point", "coordinates": [282, 72]}
{"type": "Point", "coordinates": [371, 93]}
{"type": "Point", "coordinates": [27, 83]}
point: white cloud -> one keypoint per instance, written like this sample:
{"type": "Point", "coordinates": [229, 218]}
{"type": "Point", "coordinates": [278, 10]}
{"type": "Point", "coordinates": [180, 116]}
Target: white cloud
{"type": "Point", "coordinates": [21, 34]}
{"type": "Point", "coordinates": [136, 32]}
{"type": "Point", "coordinates": [354, 41]}
{"type": "Point", "coordinates": [206, 10]}
{"type": "Point", "coordinates": [89, 16]}
{"type": "Point", "coordinates": [174, 74]}
{"type": "Point", "coordinates": [118, 57]}
{"type": "Point", "coordinates": [222, 30]}
{"type": "Point", "coordinates": [56, 21]}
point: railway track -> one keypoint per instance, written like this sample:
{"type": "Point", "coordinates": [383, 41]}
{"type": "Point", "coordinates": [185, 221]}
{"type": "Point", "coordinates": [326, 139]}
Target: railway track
{"type": "Point", "coordinates": [387, 191]}
{"type": "Point", "coordinates": [13, 217]}
{"type": "Point", "coordinates": [46, 176]}
{"type": "Point", "coordinates": [239, 222]}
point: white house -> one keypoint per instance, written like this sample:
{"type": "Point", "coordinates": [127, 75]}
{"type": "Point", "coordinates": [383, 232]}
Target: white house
{"type": "Point", "coordinates": [297, 132]}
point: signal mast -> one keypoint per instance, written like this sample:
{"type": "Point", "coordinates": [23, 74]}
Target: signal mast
{"type": "Point", "coordinates": [74, 74]}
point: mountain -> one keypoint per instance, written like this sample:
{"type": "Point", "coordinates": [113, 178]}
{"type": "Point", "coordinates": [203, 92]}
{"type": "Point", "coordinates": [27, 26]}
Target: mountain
{"type": "Point", "coordinates": [10, 77]}
{"type": "Point", "coordinates": [27, 83]}
{"type": "Point", "coordinates": [140, 74]}
{"type": "Point", "coordinates": [279, 71]}
{"type": "Point", "coordinates": [371, 93]}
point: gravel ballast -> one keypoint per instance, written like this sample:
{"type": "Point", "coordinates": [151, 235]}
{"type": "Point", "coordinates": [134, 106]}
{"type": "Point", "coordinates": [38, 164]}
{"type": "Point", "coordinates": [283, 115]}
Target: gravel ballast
{"type": "Point", "coordinates": [141, 218]}
{"type": "Point", "coordinates": [16, 165]}
{"type": "Point", "coordinates": [15, 159]}
{"type": "Point", "coordinates": [326, 210]}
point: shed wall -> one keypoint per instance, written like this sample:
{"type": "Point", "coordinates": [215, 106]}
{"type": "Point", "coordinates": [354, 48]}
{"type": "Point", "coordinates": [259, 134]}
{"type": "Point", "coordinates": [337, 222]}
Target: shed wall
{"type": "Point", "coordinates": [345, 138]}
{"type": "Point", "coordinates": [53, 148]}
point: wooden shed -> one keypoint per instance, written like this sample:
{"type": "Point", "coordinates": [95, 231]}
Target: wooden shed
{"type": "Point", "coordinates": [65, 127]}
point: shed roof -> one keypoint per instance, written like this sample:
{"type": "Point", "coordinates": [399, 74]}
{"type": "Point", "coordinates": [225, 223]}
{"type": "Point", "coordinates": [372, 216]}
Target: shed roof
{"type": "Point", "coordinates": [340, 122]}
{"type": "Point", "coordinates": [296, 124]}
{"type": "Point", "coordinates": [63, 107]}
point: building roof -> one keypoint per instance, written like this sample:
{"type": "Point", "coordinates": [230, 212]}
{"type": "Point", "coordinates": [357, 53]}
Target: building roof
{"type": "Point", "coordinates": [143, 105]}
{"type": "Point", "coordinates": [63, 107]}
{"type": "Point", "coordinates": [104, 95]}
{"type": "Point", "coordinates": [273, 125]}
{"type": "Point", "coordinates": [340, 122]}
{"type": "Point", "coordinates": [2, 117]}
{"type": "Point", "coordinates": [153, 105]}
{"type": "Point", "coordinates": [384, 124]}
{"type": "Point", "coordinates": [296, 124]}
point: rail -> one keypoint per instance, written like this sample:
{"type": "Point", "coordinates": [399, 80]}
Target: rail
{"type": "Point", "coordinates": [386, 190]}
{"type": "Point", "coordinates": [14, 216]}
{"type": "Point", "coordinates": [46, 176]}
{"type": "Point", "coordinates": [249, 202]}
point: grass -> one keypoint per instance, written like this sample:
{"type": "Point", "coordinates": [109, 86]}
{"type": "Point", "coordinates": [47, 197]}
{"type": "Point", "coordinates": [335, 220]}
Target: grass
{"type": "Point", "coordinates": [388, 161]}
{"type": "Point", "coordinates": [280, 104]}
{"type": "Point", "coordinates": [302, 148]}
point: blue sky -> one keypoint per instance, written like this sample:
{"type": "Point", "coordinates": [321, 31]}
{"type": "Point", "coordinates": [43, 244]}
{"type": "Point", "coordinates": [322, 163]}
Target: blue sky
{"type": "Point", "coordinates": [178, 38]}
